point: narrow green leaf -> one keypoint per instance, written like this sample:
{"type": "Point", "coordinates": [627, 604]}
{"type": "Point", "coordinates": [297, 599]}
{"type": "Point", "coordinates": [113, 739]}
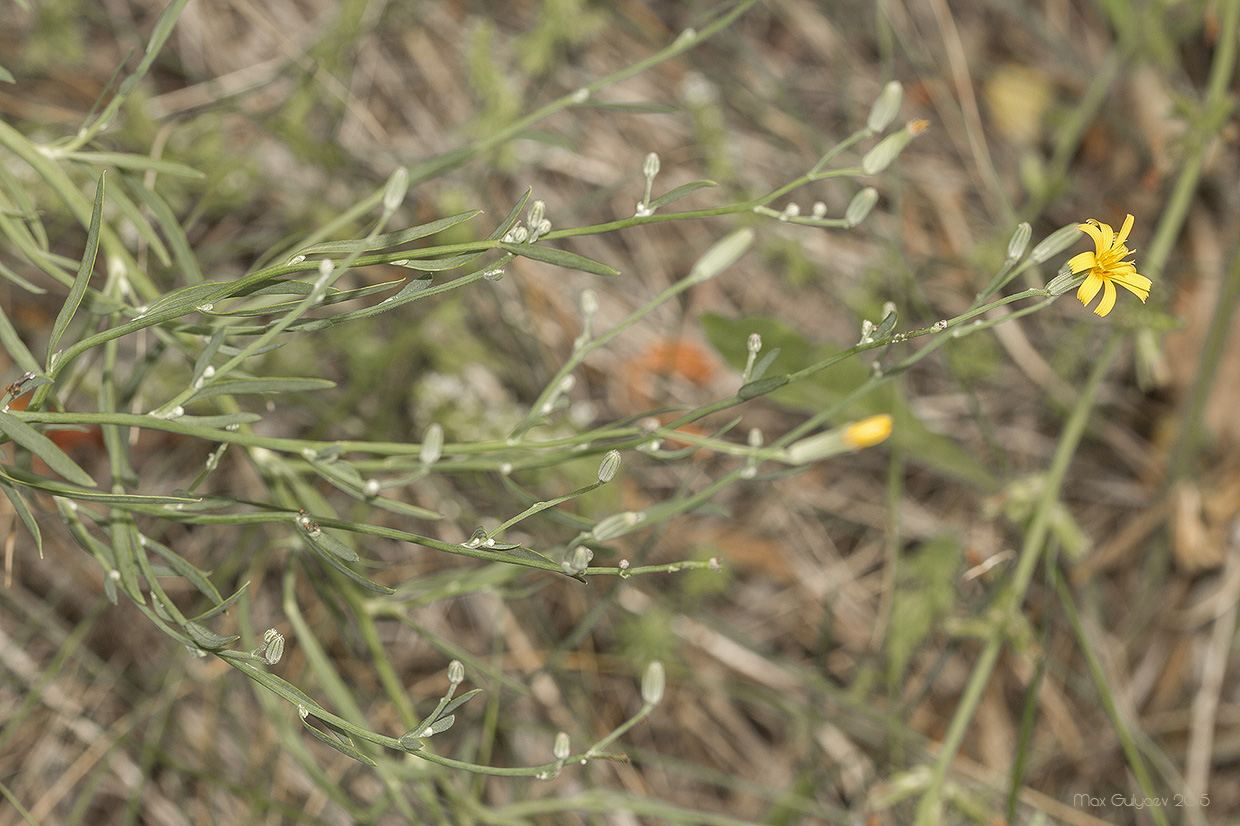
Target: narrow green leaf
{"type": "Point", "coordinates": [631, 108]}
{"type": "Point", "coordinates": [460, 701]}
{"type": "Point", "coordinates": [224, 605]}
{"type": "Point", "coordinates": [560, 258]}
{"type": "Point", "coordinates": [344, 749]}
{"type": "Point", "coordinates": [83, 276]}
{"type": "Point", "coordinates": [206, 638]}
{"type": "Point", "coordinates": [326, 542]}
{"type": "Point", "coordinates": [680, 192]}
{"type": "Point", "coordinates": [15, 347]}
{"type": "Point", "coordinates": [435, 264]}
{"type": "Point", "coordinates": [277, 685]}
{"type": "Point", "coordinates": [186, 260]}
{"type": "Point", "coordinates": [30, 480]}
{"type": "Point", "coordinates": [6, 75]}
{"type": "Point", "coordinates": [332, 296]}
{"type": "Point", "coordinates": [511, 218]}
{"type": "Point", "coordinates": [124, 553]}
{"type": "Point", "coordinates": [389, 239]}
{"type": "Point", "coordinates": [208, 353]}
{"type": "Point", "coordinates": [522, 552]}
{"type": "Point", "coordinates": [242, 387]}
{"type": "Point", "coordinates": [330, 559]}
{"type": "Point", "coordinates": [45, 449]}
{"type": "Point", "coordinates": [23, 512]}
{"type": "Point", "coordinates": [10, 275]}
{"type": "Point", "coordinates": [141, 163]}
{"type": "Point", "coordinates": [183, 568]}
{"type": "Point", "coordinates": [140, 223]}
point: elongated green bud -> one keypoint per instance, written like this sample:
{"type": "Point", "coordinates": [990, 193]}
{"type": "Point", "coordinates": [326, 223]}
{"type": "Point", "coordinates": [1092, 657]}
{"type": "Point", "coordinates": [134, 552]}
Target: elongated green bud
{"type": "Point", "coordinates": [886, 107]}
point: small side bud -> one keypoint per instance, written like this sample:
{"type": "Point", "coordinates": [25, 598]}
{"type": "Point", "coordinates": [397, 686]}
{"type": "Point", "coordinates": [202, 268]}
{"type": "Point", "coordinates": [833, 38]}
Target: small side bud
{"type": "Point", "coordinates": [608, 467]}
{"type": "Point", "coordinates": [580, 560]}
{"type": "Point", "coordinates": [563, 747]}
{"type": "Point", "coordinates": [654, 681]}
{"type": "Point", "coordinates": [538, 211]}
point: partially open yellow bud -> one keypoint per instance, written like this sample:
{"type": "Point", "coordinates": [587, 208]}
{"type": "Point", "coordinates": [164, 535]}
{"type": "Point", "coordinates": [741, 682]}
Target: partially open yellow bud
{"type": "Point", "coordinates": [868, 432]}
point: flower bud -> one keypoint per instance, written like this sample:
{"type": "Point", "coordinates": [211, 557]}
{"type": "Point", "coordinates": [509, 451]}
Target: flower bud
{"type": "Point", "coordinates": [537, 211]}
{"type": "Point", "coordinates": [610, 464]}
{"type": "Point", "coordinates": [653, 683]}
{"type": "Point", "coordinates": [616, 525]}
{"type": "Point", "coordinates": [432, 445]}
{"type": "Point", "coordinates": [1019, 242]}
{"type": "Point", "coordinates": [889, 148]}
{"type": "Point", "coordinates": [868, 432]}
{"type": "Point", "coordinates": [456, 673]}
{"type": "Point", "coordinates": [1064, 281]}
{"type": "Point", "coordinates": [650, 167]}
{"type": "Point", "coordinates": [395, 190]}
{"type": "Point", "coordinates": [886, 107]}
{"type": "Point", "coordinates": [861, 206]}
{"type": "Point", "coordinates": [274, 646]}
{"type": "Point", "coordinates": [722, 255]}
{"type": "Point", "coordinates": [578, 562]}
{"type": "Point", "coordinates": [1055, 243]}
{"type": "Point", "coordinates": [562, 748]}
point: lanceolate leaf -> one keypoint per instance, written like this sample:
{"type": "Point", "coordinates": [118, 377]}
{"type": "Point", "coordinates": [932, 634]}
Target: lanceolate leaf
{"type": "Point", "coordinates": [83, 276]}
{"type": "Point", "coordinates": [679, 192]}
{"type": "Point", "coordinates": [390, 239]}
{"type": "Point", "coordinates": [560, 258]}
{"type": "Point", "coordinates": [45, 449]}
{"type": "Point", "coordinates": [23, 511]}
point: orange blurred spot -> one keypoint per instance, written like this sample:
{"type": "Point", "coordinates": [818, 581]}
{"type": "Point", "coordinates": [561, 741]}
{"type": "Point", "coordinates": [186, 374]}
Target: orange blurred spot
{"type": "Point", "coordinates": [670, 359]}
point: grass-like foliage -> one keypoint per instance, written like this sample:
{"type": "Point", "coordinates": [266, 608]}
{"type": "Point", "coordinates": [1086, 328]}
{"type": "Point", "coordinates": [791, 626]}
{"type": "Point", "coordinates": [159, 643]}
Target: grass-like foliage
{"type": "Point", "coordinates": [396, 528]}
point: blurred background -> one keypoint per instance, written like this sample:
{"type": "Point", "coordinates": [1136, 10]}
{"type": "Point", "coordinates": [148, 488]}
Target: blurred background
{"type": "Point", "coordinates": [813, 670]}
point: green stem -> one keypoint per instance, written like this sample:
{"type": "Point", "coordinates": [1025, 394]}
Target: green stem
{"type": "Point", "coordinates": [1009, 601]}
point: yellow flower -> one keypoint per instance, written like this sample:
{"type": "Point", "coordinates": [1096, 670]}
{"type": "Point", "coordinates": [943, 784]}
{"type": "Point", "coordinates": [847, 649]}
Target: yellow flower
{"type": "Point", "coordinates": [1106, 266]}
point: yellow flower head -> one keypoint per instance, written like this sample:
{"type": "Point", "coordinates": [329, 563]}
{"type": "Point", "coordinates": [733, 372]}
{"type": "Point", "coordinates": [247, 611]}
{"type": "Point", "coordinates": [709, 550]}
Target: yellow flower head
{"type": "Point", "coordinates": [1106, 266]}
